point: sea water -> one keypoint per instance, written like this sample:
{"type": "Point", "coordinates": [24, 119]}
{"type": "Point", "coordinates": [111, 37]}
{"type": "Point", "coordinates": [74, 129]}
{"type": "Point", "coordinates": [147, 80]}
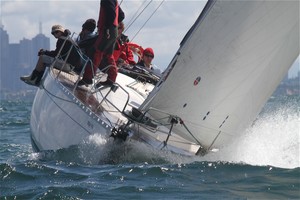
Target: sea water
{"type": "Point", "coordinates": [262, 163]}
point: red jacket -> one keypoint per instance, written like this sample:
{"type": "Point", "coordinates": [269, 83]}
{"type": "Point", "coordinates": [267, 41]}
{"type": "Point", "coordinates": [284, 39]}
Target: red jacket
{"type": "Point", "coordinates": [123, 51]}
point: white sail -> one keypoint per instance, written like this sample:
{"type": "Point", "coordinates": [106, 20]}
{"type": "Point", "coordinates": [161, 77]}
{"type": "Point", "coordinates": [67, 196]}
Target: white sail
{"type": "Point", "coordinates": [227, 67]}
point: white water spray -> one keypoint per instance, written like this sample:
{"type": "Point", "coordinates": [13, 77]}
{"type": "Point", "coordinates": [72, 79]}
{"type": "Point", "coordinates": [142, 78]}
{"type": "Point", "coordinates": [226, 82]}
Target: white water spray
{"type": "Point", "coordinates": [273, 140]}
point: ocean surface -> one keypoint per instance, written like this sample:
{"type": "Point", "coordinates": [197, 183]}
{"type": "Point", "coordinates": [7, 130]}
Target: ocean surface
{"type": "Point", "coordinates": [263, 163]}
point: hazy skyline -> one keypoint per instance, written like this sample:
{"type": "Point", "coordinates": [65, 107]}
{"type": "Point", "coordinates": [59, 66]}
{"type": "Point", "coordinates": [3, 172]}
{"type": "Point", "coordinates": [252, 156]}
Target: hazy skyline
{"type": "Point", "coordinates": [163, 32]}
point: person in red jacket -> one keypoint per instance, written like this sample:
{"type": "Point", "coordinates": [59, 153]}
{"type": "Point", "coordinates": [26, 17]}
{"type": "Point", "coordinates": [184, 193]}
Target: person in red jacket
{"type": "Point", "coordinates": [105, 43]}
{"type": "Point", "coordinates": [122, 54]}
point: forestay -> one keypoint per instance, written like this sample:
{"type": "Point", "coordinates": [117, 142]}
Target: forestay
{"type": "Point", "coordinates": [227, 67]}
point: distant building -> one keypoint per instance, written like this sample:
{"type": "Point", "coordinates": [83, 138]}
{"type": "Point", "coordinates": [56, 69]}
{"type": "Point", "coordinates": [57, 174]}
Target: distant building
{"type": "Point", "coordinates": [4, 53]}
{"type": "Point", "coordinates": [40, 41]}
{"type": "Point", "coordinates": [18, 59]}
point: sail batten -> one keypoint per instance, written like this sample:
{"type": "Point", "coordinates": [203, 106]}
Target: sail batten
{"type": "Point", "coordinates": [228, 65]}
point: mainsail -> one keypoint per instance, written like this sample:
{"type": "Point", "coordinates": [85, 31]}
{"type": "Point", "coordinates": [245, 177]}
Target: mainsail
{"type": "Point", "coordinates": [226, 68]}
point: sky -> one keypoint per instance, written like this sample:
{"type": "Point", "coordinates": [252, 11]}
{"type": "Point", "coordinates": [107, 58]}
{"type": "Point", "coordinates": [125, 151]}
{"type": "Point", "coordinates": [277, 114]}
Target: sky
{"type": "Point", "coordinates": [163, 31]}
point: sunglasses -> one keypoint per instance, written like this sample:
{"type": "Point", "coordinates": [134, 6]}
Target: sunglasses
{"type": "Point", "coordinates": [149, 55]}
{"type": "Point", "coordinates": [55, 32]}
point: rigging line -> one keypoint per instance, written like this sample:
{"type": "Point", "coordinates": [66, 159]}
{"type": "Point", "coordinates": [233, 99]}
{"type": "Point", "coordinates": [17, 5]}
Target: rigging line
{"type": "Point", "coordinates": [138, 16]}
{"type": "Point", "coordinates": [147, 20]}
{"type": "Point", "coordinates": [173, 121]}
{"type": "Point", "coordinates": [134, 16]}
{"type": "Point", "coordinates": [214, 141]}
{"type": "Point", "coordinates": [182, 122]}
{"type": "Point", "coordinates": [111, 124]}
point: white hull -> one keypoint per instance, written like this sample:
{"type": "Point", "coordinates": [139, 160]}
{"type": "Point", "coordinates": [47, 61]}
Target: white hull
{"type": "Point", "coordinates": [59, 119]}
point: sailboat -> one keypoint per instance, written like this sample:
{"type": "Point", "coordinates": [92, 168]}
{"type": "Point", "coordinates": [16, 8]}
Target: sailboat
{"type": "Point", "coordinates": [226, 68]}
